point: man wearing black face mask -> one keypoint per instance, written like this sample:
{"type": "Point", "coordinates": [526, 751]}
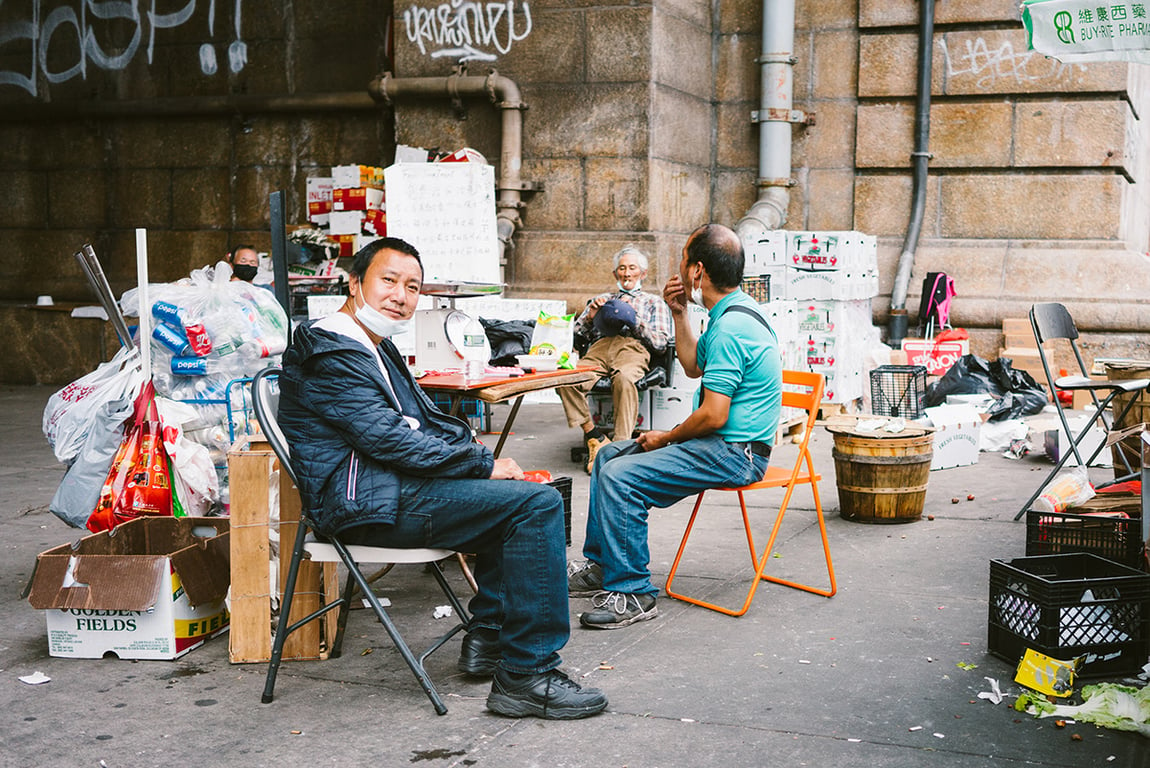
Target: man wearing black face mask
{"type": "Point", "coordinates": [245, 262]}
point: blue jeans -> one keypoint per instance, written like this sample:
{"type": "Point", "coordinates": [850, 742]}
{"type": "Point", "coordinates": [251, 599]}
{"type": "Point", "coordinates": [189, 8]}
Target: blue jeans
{"type": "Point", "coordinates": [624, 488]}
{"type": "Point", "coordinates": [515, 529]}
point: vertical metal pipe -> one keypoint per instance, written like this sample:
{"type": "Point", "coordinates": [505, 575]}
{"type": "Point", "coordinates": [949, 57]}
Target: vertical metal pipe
{"type": "Point", "coordinates": [920, 157]}
{"type": "Point", "coordinates": [776, 91]}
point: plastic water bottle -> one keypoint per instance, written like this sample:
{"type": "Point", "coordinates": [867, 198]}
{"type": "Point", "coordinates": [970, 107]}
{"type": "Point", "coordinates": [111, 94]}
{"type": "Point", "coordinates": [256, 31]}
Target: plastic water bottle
{"type": "Point", "coordinates": [474, 350]}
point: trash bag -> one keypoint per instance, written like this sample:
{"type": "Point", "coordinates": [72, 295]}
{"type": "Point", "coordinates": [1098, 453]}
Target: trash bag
{"type": "Point", "coordinates": [1016, 392]}
{"type": "Point", "coordinates": [508, 338]}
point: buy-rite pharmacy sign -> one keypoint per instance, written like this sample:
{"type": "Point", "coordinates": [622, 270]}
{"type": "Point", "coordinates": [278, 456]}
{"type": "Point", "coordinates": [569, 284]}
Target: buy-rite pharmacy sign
{"type": "Point", "coordinates": [1088, 30]}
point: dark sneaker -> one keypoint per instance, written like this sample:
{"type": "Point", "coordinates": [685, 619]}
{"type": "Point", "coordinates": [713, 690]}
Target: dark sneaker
{"type": "Point", "coordinates": [480, 652]}
{"type": "Point", "coordinates": [550, 695]}
{"type": "Point", "coordinates": [584, 578]}
{"type": "Point", "coordinates": [593, 446]}
{"type": "Point", "coordinates": [612, 610]}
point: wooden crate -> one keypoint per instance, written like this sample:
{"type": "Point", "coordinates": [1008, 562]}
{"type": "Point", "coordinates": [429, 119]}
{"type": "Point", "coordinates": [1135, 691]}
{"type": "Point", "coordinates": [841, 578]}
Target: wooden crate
{"type": "Point", "coordinates": [250, 467]}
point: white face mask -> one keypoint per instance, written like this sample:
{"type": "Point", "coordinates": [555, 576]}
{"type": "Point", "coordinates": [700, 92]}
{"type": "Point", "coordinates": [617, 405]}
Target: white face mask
{"type": "Point", "coordinates": [697, 294]}
{"type": "Point", "coordinates": [379, 323]}
{"type": "Point", "coordinates": [638, 287]}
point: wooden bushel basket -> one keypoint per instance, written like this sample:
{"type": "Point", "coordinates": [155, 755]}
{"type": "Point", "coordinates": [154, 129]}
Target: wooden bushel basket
{"type": "Point", "coordinates": [882, 479]}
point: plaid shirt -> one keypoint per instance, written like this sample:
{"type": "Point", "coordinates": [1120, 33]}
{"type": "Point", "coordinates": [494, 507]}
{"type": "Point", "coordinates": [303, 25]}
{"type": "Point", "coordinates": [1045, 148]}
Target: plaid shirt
{"type": "Point", "coordinates": [654, 327]}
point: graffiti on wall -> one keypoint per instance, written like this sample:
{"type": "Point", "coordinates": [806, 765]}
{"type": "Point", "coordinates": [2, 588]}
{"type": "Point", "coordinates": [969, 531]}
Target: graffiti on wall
{"type": "Point", "coordinates": [990, 65]}
{"type": "Point", "coordinates": [467, 31]}
{"type": "Point", "coordinates": [62, 40]}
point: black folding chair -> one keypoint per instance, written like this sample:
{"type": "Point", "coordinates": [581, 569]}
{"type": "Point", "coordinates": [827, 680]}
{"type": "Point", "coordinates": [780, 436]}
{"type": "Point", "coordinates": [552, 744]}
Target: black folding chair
{"type": "Point", "coordinates": [1052, 321]}
{"type": "Point", "coordinates": [265, 401]}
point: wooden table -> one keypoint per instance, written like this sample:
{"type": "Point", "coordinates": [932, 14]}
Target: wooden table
{"type": "Point", "coordinates": [500, 389]}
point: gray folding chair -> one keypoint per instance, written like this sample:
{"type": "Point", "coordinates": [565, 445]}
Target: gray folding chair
{"type": "Point", "coordinates": [265, 402]}
{"type": "Point", "coordinates": [1052, 321]}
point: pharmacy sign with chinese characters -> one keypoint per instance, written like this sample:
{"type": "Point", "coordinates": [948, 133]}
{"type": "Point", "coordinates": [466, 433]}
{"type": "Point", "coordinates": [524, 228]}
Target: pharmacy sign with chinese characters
{"type": "Point", "coordinates": [1081, 31]}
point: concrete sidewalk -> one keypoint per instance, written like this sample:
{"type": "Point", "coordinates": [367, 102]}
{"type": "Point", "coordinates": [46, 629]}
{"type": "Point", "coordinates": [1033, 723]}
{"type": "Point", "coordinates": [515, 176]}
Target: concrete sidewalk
{"type": "Point", "coordinates": [870, 677]}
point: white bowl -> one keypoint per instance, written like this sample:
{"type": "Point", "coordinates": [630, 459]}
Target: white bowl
{"type": "Point", "coordinates": [538, 362]}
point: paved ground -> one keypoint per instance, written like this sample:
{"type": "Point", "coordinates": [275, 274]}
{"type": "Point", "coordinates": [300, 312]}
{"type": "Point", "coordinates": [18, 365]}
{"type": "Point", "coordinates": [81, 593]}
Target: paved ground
{"type": "Point", "coordinates": [869, 678]}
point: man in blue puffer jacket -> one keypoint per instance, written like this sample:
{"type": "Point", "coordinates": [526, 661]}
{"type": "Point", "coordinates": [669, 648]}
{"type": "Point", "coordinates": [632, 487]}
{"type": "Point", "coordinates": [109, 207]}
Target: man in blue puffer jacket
{"type": "Point", "coordinates": [379, 464]}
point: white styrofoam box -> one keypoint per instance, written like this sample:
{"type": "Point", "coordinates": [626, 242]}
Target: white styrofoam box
{"type": "Point", "coordinates": [362, 240]}
{"type": "Point", "coordinates": [814, 250]}
{"type": "Point", "coordinates": [1055, 443]}
{"type": "Point", "coordinates": [821, 350]}
{"type": "Point", "coordinates": [806, 285]}
{"type": "Point", "coordinates": [783, 315]}
{"type": "Point", "coordinates": [842, 385]}
{"type": "Point", "coordinates": [346, 222]}
{"type": "Point", "coordinates": [602, 409]}
{"type": "Point", "coordinates": [764, 251]}
{"type": "Point", "coordinates": [671, 405]}
{"type": "Point", "coordinates": [956, 435]}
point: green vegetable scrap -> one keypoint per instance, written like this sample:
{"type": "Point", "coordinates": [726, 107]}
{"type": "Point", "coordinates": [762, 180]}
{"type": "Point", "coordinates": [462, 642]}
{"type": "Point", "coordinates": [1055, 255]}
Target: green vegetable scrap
{"type": "Point", "coordinates": [1109, 705]}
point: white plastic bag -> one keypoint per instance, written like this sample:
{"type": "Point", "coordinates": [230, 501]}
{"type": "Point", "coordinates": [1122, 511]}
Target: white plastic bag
{"type": "Point", "coordinates": [1069, 488]}
{"type": "Point", "coordinates": [79, 491]}
{"type": "Point", "coordinates": [554, 336]}
{"type": "Point", "coordinates": [193, 475]}
{"type": "Point", "coordinates": [72, 412]}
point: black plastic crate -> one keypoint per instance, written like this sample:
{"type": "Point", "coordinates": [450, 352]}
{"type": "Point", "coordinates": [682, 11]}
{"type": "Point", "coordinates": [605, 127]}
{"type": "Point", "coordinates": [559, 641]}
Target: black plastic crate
{"type": "Point", "coordinates": [758, 287]}
{"type": "Point", "coordinates": [563, 485]}
{"type": "Point", "coordinates": [898, 390]}
{"type": "Point", "coordinates": [1067, 606]}
{"type": "Point", "coordinates": [1115, 538]}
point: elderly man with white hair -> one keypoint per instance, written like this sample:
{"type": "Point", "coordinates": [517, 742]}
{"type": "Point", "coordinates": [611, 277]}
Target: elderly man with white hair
{"type": "Point", "coordinates": [625, 328]}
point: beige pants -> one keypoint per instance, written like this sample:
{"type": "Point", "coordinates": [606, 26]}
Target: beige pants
{"type": "Point", "coordinates": [626, 361]}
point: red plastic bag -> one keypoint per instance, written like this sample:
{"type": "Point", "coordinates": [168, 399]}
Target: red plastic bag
{"type": "Point", "coordinates": [139, 482]}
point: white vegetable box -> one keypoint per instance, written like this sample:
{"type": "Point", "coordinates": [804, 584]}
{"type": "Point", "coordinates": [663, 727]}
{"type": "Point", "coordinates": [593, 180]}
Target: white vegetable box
{"type": "Point", "coordinates": [153, 588]}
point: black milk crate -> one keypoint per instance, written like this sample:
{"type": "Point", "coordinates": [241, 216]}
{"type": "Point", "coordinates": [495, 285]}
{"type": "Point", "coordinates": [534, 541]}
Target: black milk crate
{"type": "Point", "coordinates": [1115, 538]}
{"type": "Point", "coordinates": [563, 485]}
{"type": "Point", "coordinates": [898, 390]}
{"type": "Point", "coordinates": [1067, 606]}
{"type": "Point", "coordinates": [758, 287]}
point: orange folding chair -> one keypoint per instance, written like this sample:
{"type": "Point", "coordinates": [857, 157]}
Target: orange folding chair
{"type": "Point", "coordinates": [809, 399]}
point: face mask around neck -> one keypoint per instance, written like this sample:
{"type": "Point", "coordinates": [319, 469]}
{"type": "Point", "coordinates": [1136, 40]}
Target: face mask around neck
{"type": "Point", "coordinates": [638, 287]}
{"type": "Point", "coordinates": [379, 323]}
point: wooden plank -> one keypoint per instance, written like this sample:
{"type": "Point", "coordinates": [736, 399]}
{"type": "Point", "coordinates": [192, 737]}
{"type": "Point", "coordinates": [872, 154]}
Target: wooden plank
{"type": "Point", "coordinates": [500, 392]}
{"type": "Point", "coordinates": [304, 643]}
{"type": "Point", "coordinates": [249, 639]}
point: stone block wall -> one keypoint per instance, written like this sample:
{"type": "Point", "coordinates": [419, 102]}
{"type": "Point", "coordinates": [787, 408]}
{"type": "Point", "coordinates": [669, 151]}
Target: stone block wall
{"type": "Point", "coordinates": [1036, 174]}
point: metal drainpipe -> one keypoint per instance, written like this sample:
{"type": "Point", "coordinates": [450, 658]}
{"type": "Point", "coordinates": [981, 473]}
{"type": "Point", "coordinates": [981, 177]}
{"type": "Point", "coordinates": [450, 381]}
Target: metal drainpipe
{"type": "Point", "coordinates": [775, 115]}
{"type": "Point", "coordinates": [896, 329]}
{"type": "Point", "coordinates": [504, 93]}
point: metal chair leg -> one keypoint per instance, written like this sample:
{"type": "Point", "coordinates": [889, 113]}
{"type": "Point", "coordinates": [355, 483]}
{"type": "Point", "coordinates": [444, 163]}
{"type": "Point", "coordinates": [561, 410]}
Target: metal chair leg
{"type": "Point", "coordinates": [285, 612]}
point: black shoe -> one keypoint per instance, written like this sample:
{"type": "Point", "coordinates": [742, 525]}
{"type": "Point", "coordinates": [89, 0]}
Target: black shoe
{"type": "Point", "coordinates": [550, 695]}
{"type": "Point", "coordinates": [584, 578]}
{"type": "Point", "coordinates": [612, 610]}
{"type": "Point", "coordinates": [480, 652]}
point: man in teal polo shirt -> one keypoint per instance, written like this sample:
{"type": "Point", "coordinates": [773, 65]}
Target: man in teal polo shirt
{"type": "Point", "coordinates": [725, 442]}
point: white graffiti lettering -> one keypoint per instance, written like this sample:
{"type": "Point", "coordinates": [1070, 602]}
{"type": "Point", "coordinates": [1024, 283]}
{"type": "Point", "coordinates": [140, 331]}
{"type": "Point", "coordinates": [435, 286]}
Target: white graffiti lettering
{"type": "Point", "coordinates": [468, 31]}
{"type": "Point", "coordinates": [989, 66]}
{"type": "Point", "coordinates": [69, 35]}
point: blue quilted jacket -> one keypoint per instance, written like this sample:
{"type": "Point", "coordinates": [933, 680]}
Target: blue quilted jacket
{"type": "Point", "coordinates": [351, 446]}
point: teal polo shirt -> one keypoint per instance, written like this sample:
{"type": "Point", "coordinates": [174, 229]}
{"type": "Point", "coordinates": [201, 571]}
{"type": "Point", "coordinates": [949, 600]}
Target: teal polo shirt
{"type": "Point", "coordinates": [739, 358]}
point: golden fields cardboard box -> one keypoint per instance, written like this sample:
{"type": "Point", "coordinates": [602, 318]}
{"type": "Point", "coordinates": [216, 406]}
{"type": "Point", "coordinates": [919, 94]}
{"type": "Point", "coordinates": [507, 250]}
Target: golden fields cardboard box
{"type": "Point", "coordinates": [152, 588]}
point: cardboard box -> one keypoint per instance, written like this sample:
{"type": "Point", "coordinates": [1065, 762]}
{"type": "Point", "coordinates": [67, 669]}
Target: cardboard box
{"type": "Point", "coordinates": [671, 405]}
{"type": "Point", "coordinates": [602, 409]}
{"type": "Point", "coordinates": [957, 432]}
{"type": "Point", "coordinates": [319, 192]}
{"type": "Point", "coordinates": [356, 199]}
{"type": "Point", "coordinates": [937, 356]}
{"type": "Point", "coordinates": [153, 588]}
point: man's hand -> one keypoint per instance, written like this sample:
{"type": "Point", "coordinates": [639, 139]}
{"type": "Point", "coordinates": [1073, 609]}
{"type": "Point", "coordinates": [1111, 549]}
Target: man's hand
{"type": "Point", "coordinates": [506, 469]}
{"type": "Point", "coordinates": [595, 305]}
{"type": "Point", "coordinates": [675, 295]}
{"type": "Point", "coordinates": [653, 440]}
